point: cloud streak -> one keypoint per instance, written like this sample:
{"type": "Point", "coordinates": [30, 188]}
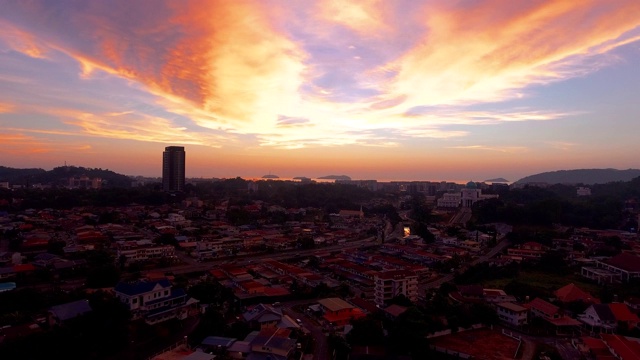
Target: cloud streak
{"type": "Point", "coordinates": [367, 73]}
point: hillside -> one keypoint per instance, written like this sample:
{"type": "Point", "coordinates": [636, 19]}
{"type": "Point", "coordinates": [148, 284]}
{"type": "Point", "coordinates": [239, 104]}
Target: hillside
{"type": "Point", "coordinates": [60, 176]}
{"type": "Point", "coordinates": [581, 176]}
{"type": "Point", "coordinates": [335, 177]}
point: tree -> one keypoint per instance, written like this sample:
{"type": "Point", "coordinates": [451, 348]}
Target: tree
{"type": "Point", "coordinates": [366, 331]}
{"type": "Point", "coordinates": [406, 333]}
{"type": "Point", "coordinates": [102, 276]}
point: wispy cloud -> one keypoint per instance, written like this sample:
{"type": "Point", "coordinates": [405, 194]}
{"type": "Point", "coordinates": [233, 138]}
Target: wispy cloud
{"type": "Point", "coordinates": [367, 73]}
{"type": "Point", "coordinates": [6, 108]}
{"type": "Point", "coordinates": [487, 51]}
{"type": "Point", "coordinates": [502, 149]}
{"type": "Point", "coordinates": [562, 145]}
{"type": "Point", "coordinates": [19, 144]}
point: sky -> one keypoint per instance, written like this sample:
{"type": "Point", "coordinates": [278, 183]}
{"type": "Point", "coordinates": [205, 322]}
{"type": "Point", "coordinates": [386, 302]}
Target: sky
{"type": "Point", "coordinates": [373, 89]}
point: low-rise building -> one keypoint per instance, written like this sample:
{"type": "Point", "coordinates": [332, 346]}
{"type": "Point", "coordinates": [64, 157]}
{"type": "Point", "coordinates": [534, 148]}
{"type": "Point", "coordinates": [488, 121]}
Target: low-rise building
{"type": "Point", "coordinates": [512, 314]}
{"type": "Point", "coordinates": [129, 252]}
{"type": "Point", "coordinates": [154, 301]}
{"type": "Point", "coordinates": [338, 312]}
{"type": "Point", "coordinates": [620, 268]}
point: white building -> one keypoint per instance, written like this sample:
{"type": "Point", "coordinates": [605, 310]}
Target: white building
{"type": "Point", "coordinates": [208, 249]}
{"type": "Point", "coordinates": [468, 196]}
{"type": "Point", "coordinates": [449, 200]}
{"type": "Point", "coordinates": [583, 191]}
{"type": "Point", "coordinates": [512, 314]}
{"type": "Point", "coordinates": [154, 301]}
{"type": "Point", "coordinates": [471, 195]}
{"type": "Point", "coordinates": [389, 284]}
{"type": "Point", "coordinates": [142, 250]}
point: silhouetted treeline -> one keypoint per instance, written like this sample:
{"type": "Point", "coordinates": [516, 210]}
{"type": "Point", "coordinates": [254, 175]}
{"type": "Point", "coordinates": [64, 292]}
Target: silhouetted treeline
{"type": "Point", "coordinates": [67, 198]}
{"type": "Point", "coordinates": [559, 204]}
{"type": "Point", "coordinates": [59, 177]}
{"type": "Point", "coordinates": [329, 197]}
{"type": "Point", "coordinates": [288, 194]}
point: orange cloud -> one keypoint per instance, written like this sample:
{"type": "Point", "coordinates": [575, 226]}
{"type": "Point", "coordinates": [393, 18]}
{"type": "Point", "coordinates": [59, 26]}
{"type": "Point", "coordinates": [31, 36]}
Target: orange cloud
{"type": "Point", "coordinates": [366, 17]}
{"type": "Point", "coordinates": [7, 108]}
{"type": "Point", "coordinates": [22, 41]}
{"type": "Point", "coordinates": [129, 126]}
{"type": "Point", "coordinates": [19, 144]}
{"type": "Point", "coordinates": [488, 50]}
{"type": "Point", "coordinates": [228, 66]}
{"type": "Point", "coordinates": [238, 67]}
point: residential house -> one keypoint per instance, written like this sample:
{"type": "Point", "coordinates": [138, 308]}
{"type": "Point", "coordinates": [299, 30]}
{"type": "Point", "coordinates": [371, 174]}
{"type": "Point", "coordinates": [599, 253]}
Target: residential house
{"type": "Point", "coordinates": [263, 316]}
{"type": "Point", "coordinates": [512, 314]}
{"type": "Point", "coordinates": [394, 311]}
{"type": "Point", "coordinates": [528, 250]}
{"type": "Point", "coordinates": [216, 344]}
{"type": "Point", "coordinates": [571, 292]}
{"type": "Point", "coordinates": [625, 318]}
{"type": "Point", "coordinates": [552, 315]}
{"type": "Point", "coordinates": [543, 309]}
{"type": "Point", "coordinates": [155, 301]}
{"type": "Point", "coordinates": [493, 296]}
{"type": "Point", "coordinates": [338, 312]}
{"type": "Point", "coordinates": [599, 318]}
{"type": "Point", "coordinates": [273, 343]}
{"type": "Point", "coordinates": [59, 314]}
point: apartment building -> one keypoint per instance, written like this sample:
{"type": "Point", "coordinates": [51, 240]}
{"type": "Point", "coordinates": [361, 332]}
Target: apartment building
{"type": "Point", "coordinates": [389, 284]}
{"type": "Point", "coordinates": [143, 250]}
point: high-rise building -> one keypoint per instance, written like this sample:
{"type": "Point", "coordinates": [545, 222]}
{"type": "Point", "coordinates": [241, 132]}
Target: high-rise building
{"type": "Point", "coordinates": [173, 161]}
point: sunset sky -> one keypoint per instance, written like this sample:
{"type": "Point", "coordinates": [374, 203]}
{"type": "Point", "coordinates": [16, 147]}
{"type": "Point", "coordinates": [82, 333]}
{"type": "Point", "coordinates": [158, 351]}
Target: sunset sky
{"type": "Point", "coordinates": [404, 90]}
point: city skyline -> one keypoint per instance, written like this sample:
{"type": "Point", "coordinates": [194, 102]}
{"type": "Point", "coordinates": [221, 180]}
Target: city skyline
{"type": "Point", "coordinates": [402, 90]}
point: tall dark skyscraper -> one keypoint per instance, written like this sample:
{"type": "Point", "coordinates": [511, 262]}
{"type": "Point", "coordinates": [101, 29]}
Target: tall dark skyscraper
{"type": "Point", "coordinates": [173, 161]}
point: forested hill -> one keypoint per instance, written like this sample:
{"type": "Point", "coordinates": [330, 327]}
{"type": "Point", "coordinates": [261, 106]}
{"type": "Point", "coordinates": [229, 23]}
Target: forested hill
{"type": "Point", "coordinates": [581, 176]}
{"type": "Point", "coordinates": [60, 176]}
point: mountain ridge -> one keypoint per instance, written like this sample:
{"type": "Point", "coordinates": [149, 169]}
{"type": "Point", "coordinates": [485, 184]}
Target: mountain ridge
{"type": "Point", "coordinates": [59, 176]}
{"type": "Point", "coordinates": [581, 176]}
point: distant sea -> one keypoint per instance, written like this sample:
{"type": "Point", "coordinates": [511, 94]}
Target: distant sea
{"type": "Point", "coordinates": [333, 180]}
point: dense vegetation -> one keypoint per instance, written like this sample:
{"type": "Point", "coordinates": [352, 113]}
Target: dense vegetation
{"type": "Point", "coordinates": [60, 176]}
{"type": "Point", "coordinates": [581, 176]}
{"type": "Point", "coordinates": [559, 204]}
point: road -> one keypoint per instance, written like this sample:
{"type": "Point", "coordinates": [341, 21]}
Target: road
{"type": "Point", "coordinates": [321, 346]}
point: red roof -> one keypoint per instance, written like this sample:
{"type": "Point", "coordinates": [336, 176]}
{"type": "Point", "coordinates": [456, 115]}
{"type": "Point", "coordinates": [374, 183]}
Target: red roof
{"type": "Point", "coordinates": [625, 261]}
{"type": "Point", "coordinates": [622, 313]}
{"type": "Point", "coordinates": [545, 307]}
{"type": "Point", "coordinates": [564, 321]}
{"type": "Point", "coordinates": [364, 304]}
{"type": "Point", "coordinates": [275, 291]}
{"type": "Point", "coordinates": [23, 268]}
{"type": "Point", "coordinates": [624, 348]}
{"type": "Point", "coordinates": [343, 317]}
{"type": "Point", "coordinates": [571, 292]}
{"type": "Point", "coordinates": [594, 344]}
